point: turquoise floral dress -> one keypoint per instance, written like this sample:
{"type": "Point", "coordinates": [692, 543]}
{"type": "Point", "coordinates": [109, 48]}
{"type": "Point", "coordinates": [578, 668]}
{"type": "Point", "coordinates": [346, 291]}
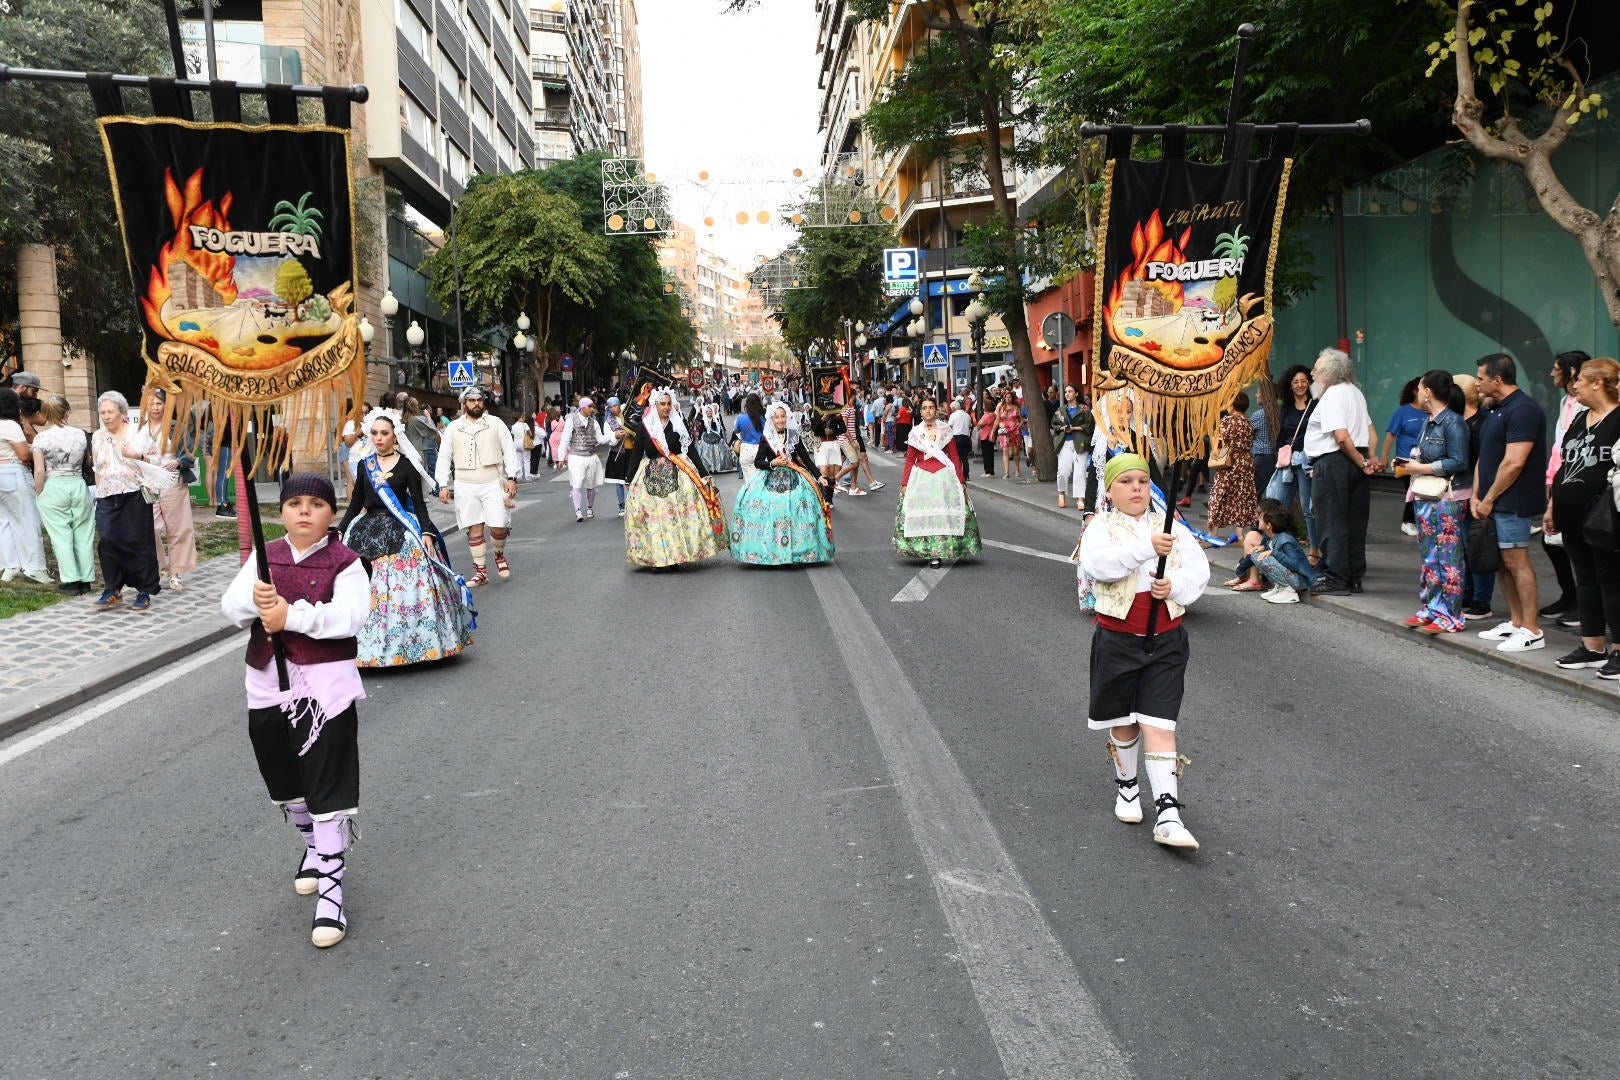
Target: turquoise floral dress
{"type": "Point", "coordinates": [778, 518]}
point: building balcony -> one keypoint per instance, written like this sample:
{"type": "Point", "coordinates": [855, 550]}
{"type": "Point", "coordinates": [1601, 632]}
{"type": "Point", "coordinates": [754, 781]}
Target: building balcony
{"type": "Point", "coordinates": [552, 118]}
{"type": "Point", "coordinates": [552, 71]}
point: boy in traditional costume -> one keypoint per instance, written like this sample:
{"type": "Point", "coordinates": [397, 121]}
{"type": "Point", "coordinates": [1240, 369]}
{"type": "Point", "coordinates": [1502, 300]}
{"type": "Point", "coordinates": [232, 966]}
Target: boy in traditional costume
{"type": "Point", "coordinates": [1143, 577]}
{"type": "Point", "coordinates": [304, 737]}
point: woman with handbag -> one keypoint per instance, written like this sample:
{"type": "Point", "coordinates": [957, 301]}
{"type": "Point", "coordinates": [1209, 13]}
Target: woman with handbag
{"type": "Point", "coordinates": [1583, 510]}
{"type": "Point", "coordinates": [1232, 502]}
{"type": "Point", "coordinates": [1441, 453]}
{"type": "Point", "coordinates": [174, 535]}
{"type": "Point", "coordinates": [1293, 473]}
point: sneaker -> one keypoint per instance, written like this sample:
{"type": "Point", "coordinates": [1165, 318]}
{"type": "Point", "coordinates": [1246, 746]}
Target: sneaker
{"type": "Point", "coordinates": [108, 600]}
{"type": "Point", "coordinates": [1611, 670]}
{"type": "Point", "coordinates": [10, 573]}
{"type": "Point", "coordinates": [176, 584]}
{"type": "Point", "coordinates": [223, 511]}
{"type": "Point", "coordinates": [1582, 657]}
{"type": "Point", "coordinates": [1500, 632]}
{"type": "Point", "coordinates": [1329, 587]}
{"type": "Point", "coordinates": [621, 513]}
{"type": "Point", "coordinates": [39, 577]}
{"type": "Point", "coordinates": [1474, 612]}
{"type": "Point", "coordinates": [877, 485]}
{"type": "Point", "coordinates": [1282, 594]}
{"type": "Point", "coordinates": [1522, 640]}
{"type": "Point", "coordinates": [1355, 586]}
{"type": "Point", "coordinates": [1570, 618]}
{"type": "Point", "coordinates": [142, 602]}
{"type": "Point", "coordinates": [1408, 528]}
{"type": "Point", "coordinates": [578, 517]}
{"type": "Point", "coordinates": [591, 514]}
{"type": "Point", "coordinates": [1556, 608]}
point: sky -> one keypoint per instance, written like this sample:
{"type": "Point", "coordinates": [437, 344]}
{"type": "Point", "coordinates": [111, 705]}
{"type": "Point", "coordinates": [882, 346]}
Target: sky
{"type": "Point", "coordinates": [733, 95]}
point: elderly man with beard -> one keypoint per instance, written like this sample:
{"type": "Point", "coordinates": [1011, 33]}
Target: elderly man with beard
{"type": "Point", "coordinates": [478, 453]}
{"type": "Point", "coordinates": [1338, 439]}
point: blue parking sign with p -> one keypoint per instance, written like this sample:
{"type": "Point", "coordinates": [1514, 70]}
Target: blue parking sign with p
{"type": "Point", "coordinates": [901, 264]}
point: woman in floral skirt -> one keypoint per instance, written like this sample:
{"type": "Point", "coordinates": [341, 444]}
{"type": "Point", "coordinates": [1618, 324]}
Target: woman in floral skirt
{"type": "Point", "coordinates": [1441, 450]}
{"type": "Point", "coordinates": [421, 609]}
{"type": "Point", "coordinates": [672, 514]}
{"type": "Point", "coordinates": [935, 519]}
{"type": "Point", "coordinates": [1232, 502]}
{"type": "Point", "coordinates": [783, 514]}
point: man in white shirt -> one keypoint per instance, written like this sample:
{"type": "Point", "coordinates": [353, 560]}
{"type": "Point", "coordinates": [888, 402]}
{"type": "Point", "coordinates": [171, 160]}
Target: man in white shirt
{"type": "Point", "coordinates": [1338, 440]}
{"type": "Point", "coordinates": [478, 454]}
{"type": "Point", "coordinates": [961, 425]}
{"type": "Point", "coordinates": [520, 439]}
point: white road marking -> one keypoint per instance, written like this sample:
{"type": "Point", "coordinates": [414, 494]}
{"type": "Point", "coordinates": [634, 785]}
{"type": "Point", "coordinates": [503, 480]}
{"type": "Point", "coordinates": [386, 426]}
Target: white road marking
{"type": "Point", "coordinates": [918, 588]}
{"type": "Point", "coordinates": [1043, 1020]}
{"type": "Point", "coordinates": [119, 700]}
{"type": "Point", "coordinates": [1028, 551]}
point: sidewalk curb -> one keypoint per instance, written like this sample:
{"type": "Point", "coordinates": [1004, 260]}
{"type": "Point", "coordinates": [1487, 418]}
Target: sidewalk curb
{"type": "Point", "coordinates": [93, 682]}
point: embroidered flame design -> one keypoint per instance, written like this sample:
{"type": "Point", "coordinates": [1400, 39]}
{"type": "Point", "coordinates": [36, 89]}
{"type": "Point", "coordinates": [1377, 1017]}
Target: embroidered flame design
{"type": "Point", "coordinates": [1150, 244]}
{"type": "Point", "coordinates": [187, 208]}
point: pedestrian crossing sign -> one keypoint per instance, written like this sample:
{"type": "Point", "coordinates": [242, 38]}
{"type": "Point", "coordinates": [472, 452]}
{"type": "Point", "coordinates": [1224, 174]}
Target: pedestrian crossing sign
{"type": "Point", "coordinates": [461, 373]}
{"type": "Point", "coordinates": [935, 356]}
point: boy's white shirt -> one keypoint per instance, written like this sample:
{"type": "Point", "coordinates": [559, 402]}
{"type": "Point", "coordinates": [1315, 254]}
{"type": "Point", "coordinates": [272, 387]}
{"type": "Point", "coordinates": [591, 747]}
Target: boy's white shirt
{"type": "Point", "coordinates": [1104, 561]}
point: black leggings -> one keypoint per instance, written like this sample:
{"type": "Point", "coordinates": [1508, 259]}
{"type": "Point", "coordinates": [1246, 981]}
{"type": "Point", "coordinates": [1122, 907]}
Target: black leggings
{"type": "Point", "coordinates": [1597, 581]}
{"type": "Point", "coordinates": [987, 450]}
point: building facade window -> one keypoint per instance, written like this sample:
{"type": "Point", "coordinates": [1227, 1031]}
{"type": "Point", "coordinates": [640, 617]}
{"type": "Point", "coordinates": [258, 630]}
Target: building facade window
{"type": "Point", "coordinates": [451, 81]}
{"type": "Point", "coordinates": [415, 119]}
{"type": "Point", "coordinates": [413, 28]}
{"type": "Point", "coordinates": [483, 121]}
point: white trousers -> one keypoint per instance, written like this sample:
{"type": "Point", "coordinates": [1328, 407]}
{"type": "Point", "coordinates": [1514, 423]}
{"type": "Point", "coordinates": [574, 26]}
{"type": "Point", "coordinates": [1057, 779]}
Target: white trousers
{"type": "Point", "coordinates": [1071, 471]}
{"type": "Point", "coordinates": [481, 504]}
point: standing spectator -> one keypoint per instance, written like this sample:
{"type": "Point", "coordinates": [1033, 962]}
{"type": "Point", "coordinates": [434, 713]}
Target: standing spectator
{"type": "Point", "coordinates": [746, 431]}
{"type": "Point", "coordinates": [422, 434]}
{"type": "Point", "coordinates": [961, 425]}
{"type": "Point", "coordinates": [123, 516]}
{"type": "Point", "coordinates": [1266, 419]}
{"type": "Point", "coordinates": [1293, 476]}
{"type": "Point", "coordinates": [855, 444]}
{"type": "Point", "coordinates": [22, 550]}
{"type": "Point", "coordinates": [26, 383]}
{"type": "Point", "coordinates": [1401, 433]}
{"type": "Point", "coordinates": [523, 439]}
{"type": "Point", "coordinates": [1232, 502]}
{"type": "Point", "coordinates": [1477, 588]}
{"type": "Point", "coordinates": [63, 498]}
{"type": "Point", "coordinates": [902, 422]}
{"type": "Point", "coordinates": [1441, 451]}
{"type": "Point", "coordinates": [1338, 438]}
{"type": "Point", "coordinates": [1510, 489]}
{"type": "Point", "coordinates": [1583, 479]}
{"type": "Point", "coordinates": [1566, 367]}
{"type": "Point", "coordinates": [1010, 435]}
{"type": "Point", "coordinates": [985, 427]}
{"type": "Point", "coordinates": [223, 506]}
{"type": "Point", "coordinates": [1072, 426]}
{"type": "Point", "coordinates": [174, 535]}
{"type": "Point", "coordinates": [352, 451]}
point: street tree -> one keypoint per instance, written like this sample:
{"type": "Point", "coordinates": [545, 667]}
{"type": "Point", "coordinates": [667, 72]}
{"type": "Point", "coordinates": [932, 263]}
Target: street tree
{"type": "Point", "coordinates": [843, 267]}
{"type": "Point", "coordinates": [520, 248]}
{"type": "Point", "coordinates": [1536, 72]}
{"type": "Point", "coordinates": [54, 188]}
{"type": "Point", "coordinates": [961, 72]}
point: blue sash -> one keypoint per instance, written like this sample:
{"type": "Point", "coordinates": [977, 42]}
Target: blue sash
{"type": "Point", "coordinates": [407, 519]}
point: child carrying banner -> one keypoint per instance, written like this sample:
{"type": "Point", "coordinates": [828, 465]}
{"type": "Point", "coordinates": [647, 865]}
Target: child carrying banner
{"type": "Point", "coordinates": [1138, 654]}
{"type": "Point", "coordinates": [305, 737]}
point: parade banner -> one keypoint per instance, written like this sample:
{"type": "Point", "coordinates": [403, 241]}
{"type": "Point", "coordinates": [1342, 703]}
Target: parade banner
{"type": "Point", "coordinates": [640, 385]}
{"type": "Point", "coordinates": [1184, 288]}
{"type": "Point", "coordinates": [240, 246]}
{"type": "Point", "coordinates": [829, 388]}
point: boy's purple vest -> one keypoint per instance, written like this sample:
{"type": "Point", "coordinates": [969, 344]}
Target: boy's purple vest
{"type": "Point", "coordinates": [311, 580]}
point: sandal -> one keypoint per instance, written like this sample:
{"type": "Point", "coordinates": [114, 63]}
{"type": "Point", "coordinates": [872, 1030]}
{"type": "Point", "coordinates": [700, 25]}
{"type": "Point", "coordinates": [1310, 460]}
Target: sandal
{"type": "Point", "coordinates": [478, 578]}
{"type": "Point", "coordinates": [502, 567]}
{"type": "Point", "coordinates": [1247, 586]}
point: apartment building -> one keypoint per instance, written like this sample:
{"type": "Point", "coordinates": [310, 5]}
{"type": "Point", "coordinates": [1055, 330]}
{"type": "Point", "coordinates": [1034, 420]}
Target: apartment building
{"type": "Point", "coordinates": [586, 68]}
{"type": "Point", "coordinates": [857, 62]}
{"type": "Point", "coordinates": [717, 296]}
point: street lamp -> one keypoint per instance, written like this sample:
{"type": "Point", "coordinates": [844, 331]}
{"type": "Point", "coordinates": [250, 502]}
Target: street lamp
{"type": "Point", "coordinates": [367, 331]}
{"type": "Point", "coordinates": [415, 335]}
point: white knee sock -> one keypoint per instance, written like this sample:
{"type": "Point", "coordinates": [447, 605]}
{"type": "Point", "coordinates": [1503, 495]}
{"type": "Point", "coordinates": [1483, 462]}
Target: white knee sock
{"type": "Point", "coordinates": [1123, 755]}
{"type": "Point", "coordinates": [477, 550]}
{"type": "Point", "coordinates": [1162, 770]}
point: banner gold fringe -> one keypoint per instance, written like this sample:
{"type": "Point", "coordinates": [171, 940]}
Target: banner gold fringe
{"type": "Point", "coordinates": [294, 410]}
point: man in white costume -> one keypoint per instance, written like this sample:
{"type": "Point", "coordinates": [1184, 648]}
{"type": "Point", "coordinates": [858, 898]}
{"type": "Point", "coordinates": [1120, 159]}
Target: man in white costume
{"type": "Point", "coordinates": [582, 435]}
{"type": "Point", "coordinates": [478, 453]}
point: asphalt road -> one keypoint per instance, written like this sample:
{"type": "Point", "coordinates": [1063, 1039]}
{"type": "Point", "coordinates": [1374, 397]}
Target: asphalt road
{"type": "Point", "coordinates": [741, 823]}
